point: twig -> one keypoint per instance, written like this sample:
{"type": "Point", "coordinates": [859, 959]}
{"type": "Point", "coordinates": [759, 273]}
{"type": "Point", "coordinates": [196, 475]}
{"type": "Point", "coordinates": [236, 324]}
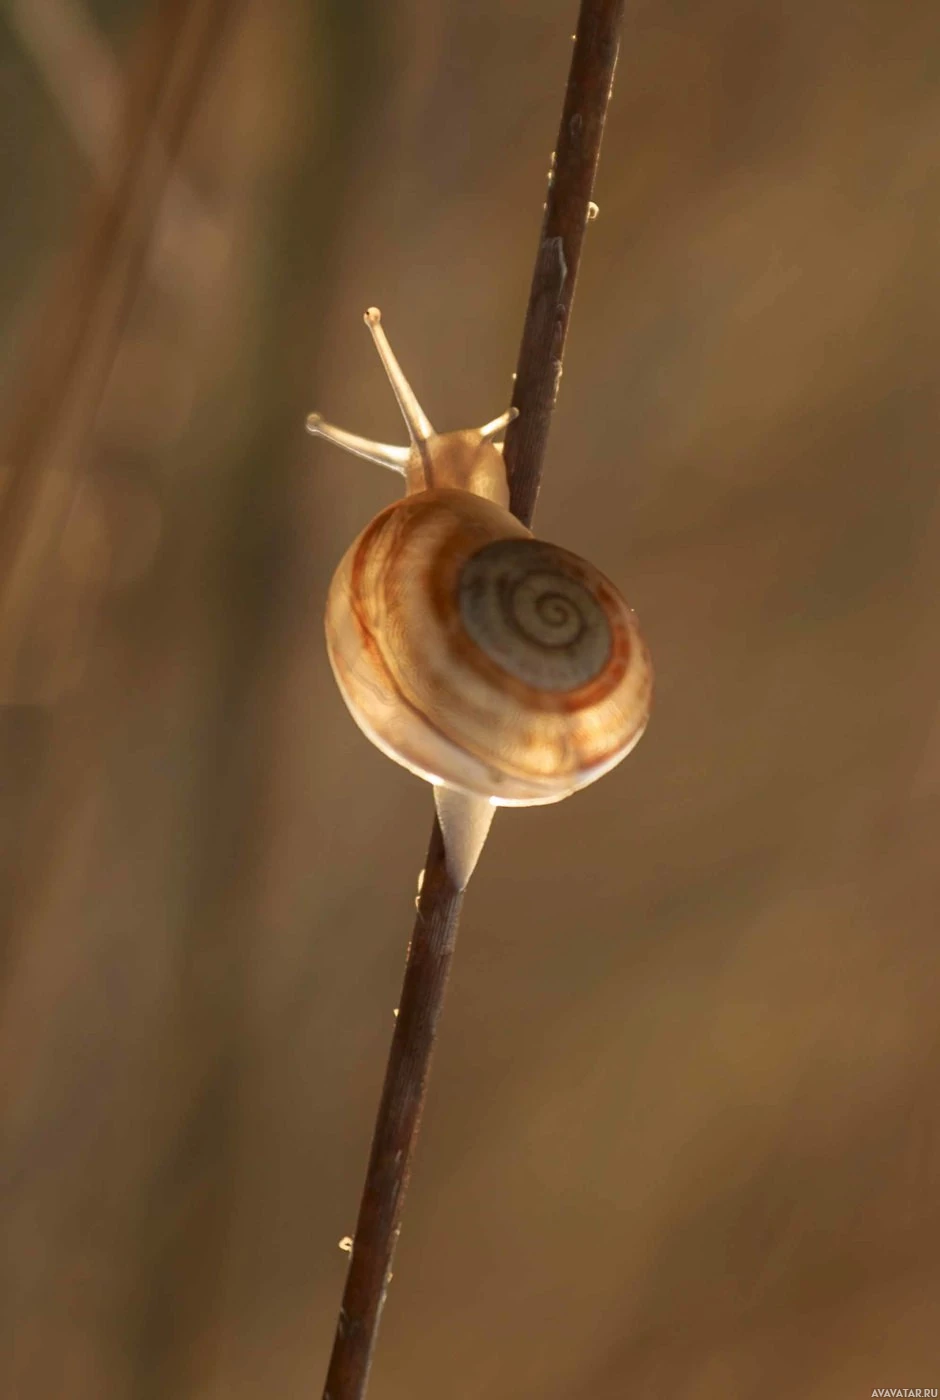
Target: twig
{"type": "Point", "coordinates": [396, 1126]}
{"type": "Point", "coordinates": [567, 211]}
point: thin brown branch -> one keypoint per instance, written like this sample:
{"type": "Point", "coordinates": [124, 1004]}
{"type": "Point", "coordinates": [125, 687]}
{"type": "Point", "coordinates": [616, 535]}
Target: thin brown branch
{"type": "Point", "coordinates": [567, 210]}
{"type": "Point", "coordinates": [396, 1126]}
{"type": "Point", "coordinates": [435, 931]}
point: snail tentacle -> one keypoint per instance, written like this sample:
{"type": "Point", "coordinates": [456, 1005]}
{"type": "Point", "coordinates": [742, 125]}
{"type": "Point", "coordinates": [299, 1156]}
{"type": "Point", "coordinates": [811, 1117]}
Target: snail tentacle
{"type": "Point", "coordinates": [416, 420]}
{"type": "Point", "coordinates": [385, 453]}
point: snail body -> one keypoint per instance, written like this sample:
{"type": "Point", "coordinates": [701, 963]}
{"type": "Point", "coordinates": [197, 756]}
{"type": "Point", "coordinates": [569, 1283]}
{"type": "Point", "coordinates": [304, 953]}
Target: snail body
{"type": "Point", "coordinates": [488, 662]}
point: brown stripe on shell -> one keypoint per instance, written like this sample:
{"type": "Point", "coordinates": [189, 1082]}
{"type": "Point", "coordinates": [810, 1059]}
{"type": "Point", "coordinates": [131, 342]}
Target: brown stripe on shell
{"type": "Point", "coordinates": [357, 594]}
{"type": "Point", "coordinates": [461, 541]}
{"type": "Point", "coordinates": [357, 598]}
{"type": "Point", "coordinates": [442, 578]}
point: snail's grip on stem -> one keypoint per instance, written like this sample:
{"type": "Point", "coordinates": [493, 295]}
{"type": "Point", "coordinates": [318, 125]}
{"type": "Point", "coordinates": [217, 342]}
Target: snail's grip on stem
{"type": "Point", "coordinates": [465, 821]}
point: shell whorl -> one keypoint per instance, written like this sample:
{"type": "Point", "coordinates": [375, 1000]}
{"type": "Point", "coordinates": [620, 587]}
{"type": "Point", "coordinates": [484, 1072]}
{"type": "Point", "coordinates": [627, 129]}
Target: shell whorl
{"type": "Point", "coordinates": [482, 658]}
{"type": "Point", "coordinates": [534, 616]}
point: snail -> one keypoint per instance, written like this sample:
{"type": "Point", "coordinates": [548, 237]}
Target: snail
{"type": "Point", "coordinates": [503, 670]}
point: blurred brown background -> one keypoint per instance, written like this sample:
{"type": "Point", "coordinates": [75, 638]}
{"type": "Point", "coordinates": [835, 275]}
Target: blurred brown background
{"type": "Point", "coordinates": [682, 1138]}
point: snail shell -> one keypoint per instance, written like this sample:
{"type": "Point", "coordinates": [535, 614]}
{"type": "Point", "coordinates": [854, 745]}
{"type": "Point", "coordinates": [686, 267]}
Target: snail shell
{"type": "Point", "coordinates": [472, 653]}
{"type": "Point", "coordinates": [480, 657]}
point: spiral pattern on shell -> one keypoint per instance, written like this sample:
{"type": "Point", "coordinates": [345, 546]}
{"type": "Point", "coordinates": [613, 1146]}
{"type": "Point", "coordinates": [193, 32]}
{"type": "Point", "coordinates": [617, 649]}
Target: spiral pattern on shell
{"type": "Point", "coordinates": [482, 658]}
{"type": "Point", "coordinates": [534, 616]}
